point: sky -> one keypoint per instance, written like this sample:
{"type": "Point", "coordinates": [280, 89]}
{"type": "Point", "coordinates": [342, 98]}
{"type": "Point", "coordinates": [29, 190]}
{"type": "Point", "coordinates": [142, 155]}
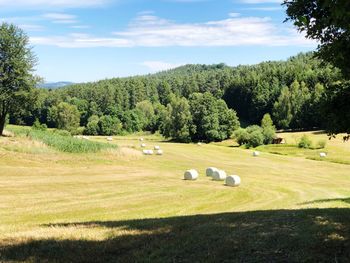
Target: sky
{"type": "Point", "coordinates": [90, 40]}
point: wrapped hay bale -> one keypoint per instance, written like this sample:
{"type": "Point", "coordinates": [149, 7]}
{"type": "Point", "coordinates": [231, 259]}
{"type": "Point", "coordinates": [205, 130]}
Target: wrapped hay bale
{"type": "Point", "coordinates": [233, 180]}
{"type": "Point", "coordinates": [322, 155]}
{"type": "Point", "coordinates": [210, 170]}
{"type": "Point", "coordinates": [199, 144]}
{"type": "Point", "coordinates": [86, 137]}
{"type": "Point", "coordinates": [159, 152]}
{"type": "Point", "coordinates": [256, 153]}
{"type": "Point", "coordinates": [141, 139]}
{"type": "Point", "coordinates": [157, 147]}
{"type": "Point", "coordinates": [143, 145]}
{"type": "Point", "coordinates": [219, 175]}
{"type": "Point", "coordinates": [191, 175]}
{"type": "Point", "coordinates": [147, 152]}
{"type": "Point", "coordinates": [109, 139]}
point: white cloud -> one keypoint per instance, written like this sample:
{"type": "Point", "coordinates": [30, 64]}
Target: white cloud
{"type": "Point", "coordinates": [261, 1]}
{"type": "Point", "coordinates": [42, 4]}
{"type": "Point", "coordinates": [156, 66]}
{"type": "Point", "coordinates": [60, 18]}
{"type": "Point", "coordinates": [152, 31]}
{"type": "Point", "coordinates": [80, 27]}
{"type": "Point", "coordinates": [31, 27]}
{"type": "Point", "coordinates": [265, 8]}
{"type": "Point", "coordinates": [234, 14]}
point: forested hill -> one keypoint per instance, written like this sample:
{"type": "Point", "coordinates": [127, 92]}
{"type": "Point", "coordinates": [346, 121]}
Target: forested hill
{"type": "Point", "coordinates": [291, 91]}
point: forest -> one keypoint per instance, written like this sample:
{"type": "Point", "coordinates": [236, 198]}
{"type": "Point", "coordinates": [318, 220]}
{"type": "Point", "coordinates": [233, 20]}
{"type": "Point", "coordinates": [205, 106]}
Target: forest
{"type": "Point", "coordinates": [192, 102]}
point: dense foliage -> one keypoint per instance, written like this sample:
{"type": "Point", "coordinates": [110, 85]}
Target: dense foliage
{"type": "Point", "coordinates": [16, 67]}
{"type": "Point", "coordinates": [193, 102]}
{"type": "Point", "coordinates": [328, 21]}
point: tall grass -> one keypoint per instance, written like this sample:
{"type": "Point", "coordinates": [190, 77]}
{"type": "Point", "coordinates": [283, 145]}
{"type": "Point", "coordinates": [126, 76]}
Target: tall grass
{"type": "Point", "coordinates": [60, 142]}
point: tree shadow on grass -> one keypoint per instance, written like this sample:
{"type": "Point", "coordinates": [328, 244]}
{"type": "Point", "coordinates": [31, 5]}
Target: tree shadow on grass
{"type": "Point", "coordinates": [345, 200]}
{"type": "Point", "coordinates": [307, 235]}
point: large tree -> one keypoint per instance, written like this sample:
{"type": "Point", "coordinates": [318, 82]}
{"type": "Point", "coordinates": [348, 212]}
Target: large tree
{"type": "Point", "coordinates": [328, 21]}
{"type": "Point", "coordinates": [17, 63]}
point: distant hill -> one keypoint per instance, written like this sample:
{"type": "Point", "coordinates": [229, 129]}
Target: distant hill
{"type": "Point", "coordinates": [55, 85]}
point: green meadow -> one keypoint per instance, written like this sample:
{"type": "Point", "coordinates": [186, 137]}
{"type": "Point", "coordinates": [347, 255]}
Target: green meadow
{"type": "Point", "coordinates": [114, 204]}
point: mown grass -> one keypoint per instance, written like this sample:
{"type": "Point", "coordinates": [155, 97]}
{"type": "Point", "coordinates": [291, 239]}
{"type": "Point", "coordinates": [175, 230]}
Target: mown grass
{"type": "Point", "coordinates": [107, 207]}
{"type": "Point", "coordinates": [60, 142]}
{"type": "Point", "coordinates": [337, 150]}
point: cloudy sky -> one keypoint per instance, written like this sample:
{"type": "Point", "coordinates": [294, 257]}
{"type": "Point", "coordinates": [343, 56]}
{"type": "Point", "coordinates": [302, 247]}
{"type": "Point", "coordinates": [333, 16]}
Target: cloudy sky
{"type": "Point", "coordinates": [87, 40]}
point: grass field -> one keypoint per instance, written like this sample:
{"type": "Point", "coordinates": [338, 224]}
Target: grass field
{"type": "Point", "coordinates": [120, 206]}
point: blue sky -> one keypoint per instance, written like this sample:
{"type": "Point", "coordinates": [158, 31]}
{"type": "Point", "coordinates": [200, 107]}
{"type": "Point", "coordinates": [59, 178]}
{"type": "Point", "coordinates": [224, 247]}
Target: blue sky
{"type": "Point", "coordinates": [88, 40]}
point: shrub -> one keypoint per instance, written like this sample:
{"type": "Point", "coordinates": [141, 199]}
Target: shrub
{"type": "Point", "coordinates": [38, 126]}
{"type": "Point", "coordinates": [305, 142]}
{"type": "Point", "coordinates": [269, 130]}
{"type": "Point", "coordinates": [79, 131]}
{"type": "Point", "coordinates": [321, 144]}
{"type": "Point", "coordinates": [256, 138]}
{"type": "Point", "coordinates": [241, 136]}
{"type": "Point", "coordinates": [62, 133]}
{"type": "Point", "coordinates": [92, 128]}
{"type": "Point", "coordinates": [252, 136]}
{"type": "Point", "coordinates": [109, 125]}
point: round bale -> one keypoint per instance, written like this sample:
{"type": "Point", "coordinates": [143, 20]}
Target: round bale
{"type": "Point", "coordinates": [143, 145]}
{"type": "Point", "coordinates": [141, 139]}
{"type": "Point", "coordinates": [159, 152]}
{"type": "Point", "coordinates": [322, 155]}
{"type": "Point", "coordinates": [157, 147]}
{"type": "Point", "coordinates": [210, 170]}
{"type": "Point", "coordinates": [233, 180]}
{"type": "Point", "coordinates": [219, 175]}
{"type": "Point", "coordinates": [191, 175]}
{"type": "Point", "coordinates": [109, 139]}
{"type": "Point", "coordinates": [147, 152]}
{"type": "Point", "coordinates": [256, 153]}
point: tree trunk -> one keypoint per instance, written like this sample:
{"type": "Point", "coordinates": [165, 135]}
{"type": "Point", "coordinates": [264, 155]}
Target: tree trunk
{"type": "Point", "coordinates": [2, 124]}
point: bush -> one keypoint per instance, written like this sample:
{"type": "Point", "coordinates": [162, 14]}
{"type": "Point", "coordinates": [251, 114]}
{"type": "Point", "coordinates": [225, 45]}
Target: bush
{"type": "Point", "coordinates": [241, 136]}
{"type": "Point", "coordinates": [79, 131]}
{"type": "Point", "coordinates": [109, 125]}
{"type": "Point", "coordinates": [305, 142]}
{"type": "Point", "coordinates": [62, 133]}
{"type": "Point", "coordinates": [256, 136]}
{"type": "Point", "coordinates": [269, 134]}
{"type": "Point", "coordinates": [321, 144]}
{"type": "Point", "coordinates": [38, 126]}
{"type": "Point", "coordinates": [252, 136]}
{"type": "Point", "coordinates": [92, 128]}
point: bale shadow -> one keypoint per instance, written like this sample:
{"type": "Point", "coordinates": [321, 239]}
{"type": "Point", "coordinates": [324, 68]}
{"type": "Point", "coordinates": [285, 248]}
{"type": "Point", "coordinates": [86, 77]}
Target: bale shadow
{"type": "Point", "coordinates": [306, 235]}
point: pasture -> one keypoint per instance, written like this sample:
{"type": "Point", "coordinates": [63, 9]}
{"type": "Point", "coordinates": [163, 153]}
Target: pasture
{"type": "Point", "coordinates": [118, 205]}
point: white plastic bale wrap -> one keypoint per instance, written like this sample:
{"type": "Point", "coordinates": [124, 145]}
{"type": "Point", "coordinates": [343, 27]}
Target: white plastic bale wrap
{"type": "Point", "coordinates": [109, 139]}
{"type": "Point", "coordinates": [323, 155]}
{"type": "Point", "coordinates": [256, 153]}
{"type": "Point", "coordinates": [141, 139]}
{"type": "Point", "coordinates": [219, 175]}
{"type": "Point", "coordinates": [143, 145]}
{"type": "Point", "coordinates": [147, 152]}
{"type": "Point", "coordinates": [233, 180]}
{"type": "Point", "coordinates": [210, 170]}
{"type": "Point", "coordinates": [191, 175]}
{"type": "Point", "coordinates": [159, 152]}
{"type": "Point", "coordinates": [157, 147]}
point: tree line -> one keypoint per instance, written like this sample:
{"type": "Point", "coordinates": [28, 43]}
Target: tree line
{"type": "Point", "coordinates": [192, 102]}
